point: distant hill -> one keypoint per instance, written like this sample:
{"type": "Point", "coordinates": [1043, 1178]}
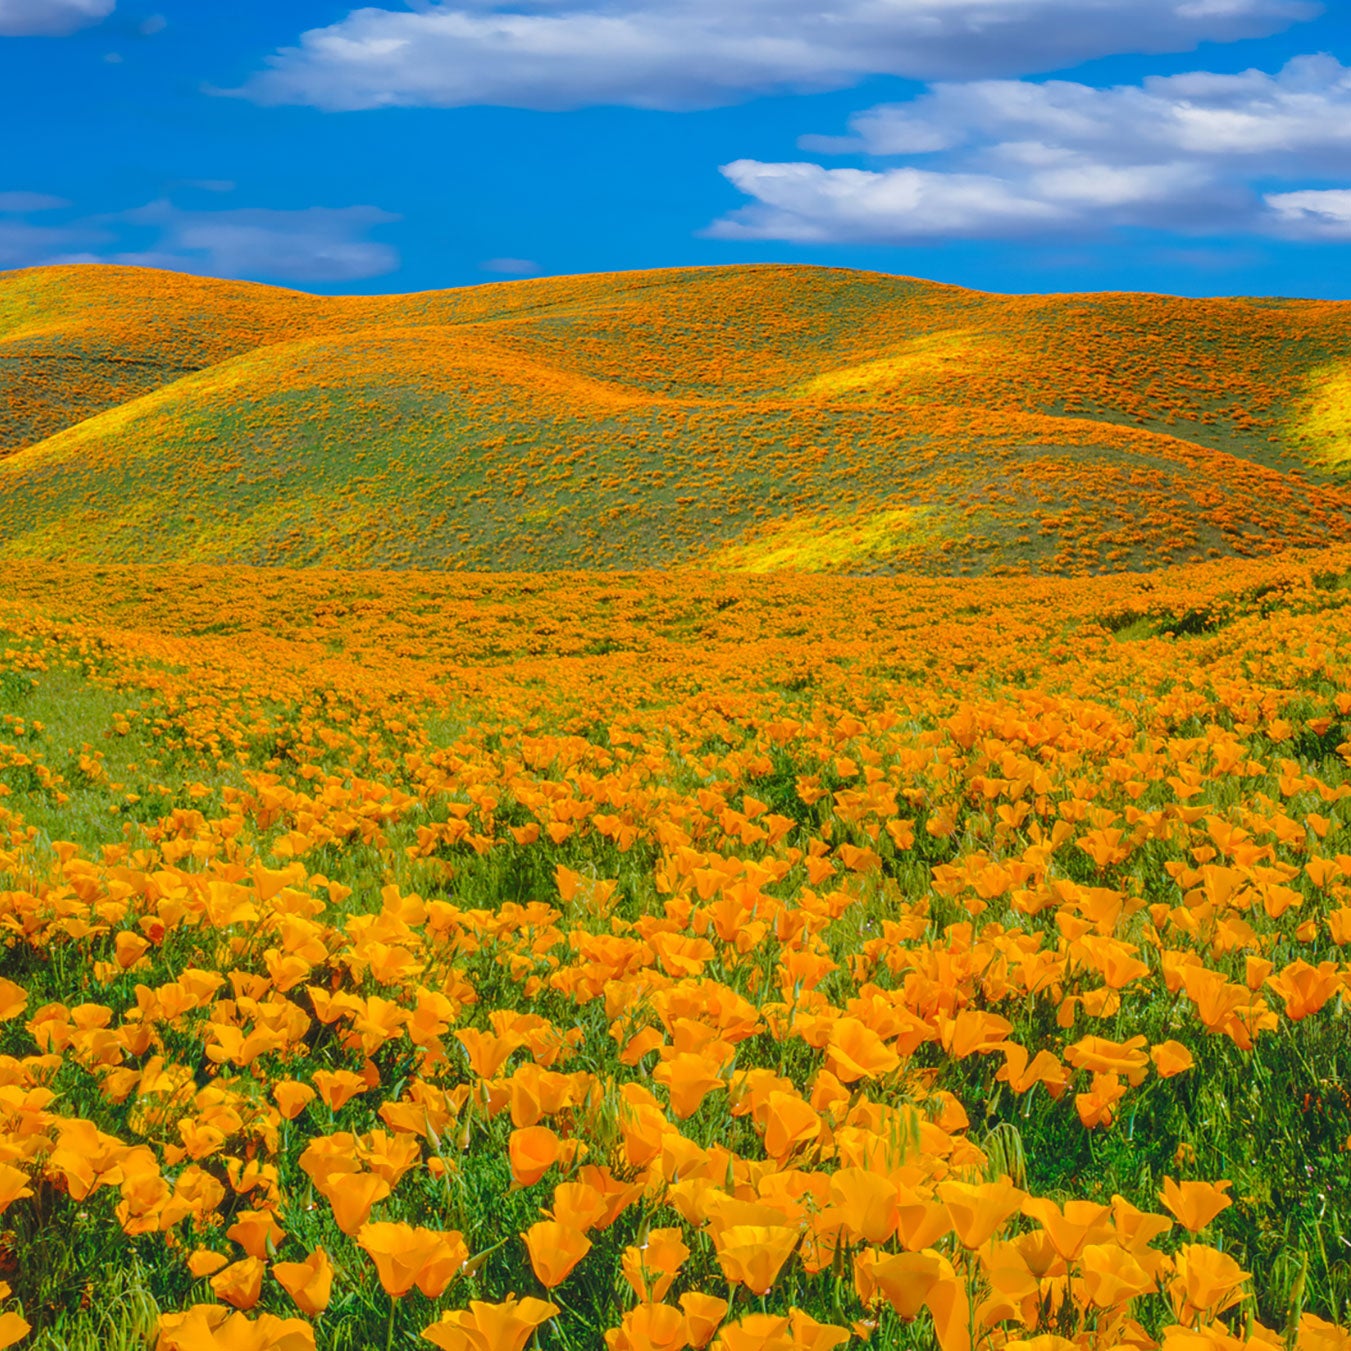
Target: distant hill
{"type": "Point", "coordinates": [741, 417]}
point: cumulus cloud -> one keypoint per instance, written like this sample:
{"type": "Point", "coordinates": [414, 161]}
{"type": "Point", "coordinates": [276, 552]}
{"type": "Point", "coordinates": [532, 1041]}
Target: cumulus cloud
{"type": "Point", "coordinates": [1193, 153]}
{"type": "Point", "coordinates": [675, 54]}
{"type": "Point", "coordinates": [50, 18]}
{"type": "Point", "coordinates": [809, 204]}
{"type": "Point", "coordinates": [24, 244]}
{"type": "Point", "coordinates": [1253, 117]}
{"type": "Point", "coordinates": [316, 244]}
{"type": "Point", "coordinates": [511, 267]}
{"type": "Point", "coordinates": [1312, 213]}
{"type": "Point", "coordinates": [22, 203]}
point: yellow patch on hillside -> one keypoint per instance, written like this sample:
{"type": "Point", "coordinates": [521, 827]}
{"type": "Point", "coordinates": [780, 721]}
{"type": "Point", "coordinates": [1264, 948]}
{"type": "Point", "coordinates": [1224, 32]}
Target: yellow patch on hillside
{"type": "Point", "coordinates": [825, 543]}
{"type": "Point", "coordinates": [916, 363]}
{"type": "Point", "coordinates": [1325, 417]}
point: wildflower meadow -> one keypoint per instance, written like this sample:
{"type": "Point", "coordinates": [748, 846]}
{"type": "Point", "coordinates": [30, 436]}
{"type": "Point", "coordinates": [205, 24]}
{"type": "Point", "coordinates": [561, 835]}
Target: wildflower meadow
{"type": "Point", "coordinates": [662, 960]}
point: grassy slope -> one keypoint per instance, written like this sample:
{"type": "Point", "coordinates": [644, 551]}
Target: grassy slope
{"type": "Point", "coordinates": [739, 417]}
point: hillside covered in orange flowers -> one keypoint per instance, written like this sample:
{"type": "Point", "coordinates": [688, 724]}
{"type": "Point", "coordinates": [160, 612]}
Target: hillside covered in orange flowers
{"type": "Point", "coordinates": [742, 418]}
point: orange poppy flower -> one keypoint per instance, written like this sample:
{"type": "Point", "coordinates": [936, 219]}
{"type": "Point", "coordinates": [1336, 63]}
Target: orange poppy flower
{"type": "Point", "coordinates": [867, 1202]}
{"type": "Point", "coordinates": [402, 1254]}
{"type": "Point", "coordinates": [651, 1268]}
{"type": "Point", "coordinates": [649, 1327]}
{"type": "Point", "coordinates": [486, 1051]}
{"type": "Point", "coordinates": [920, 1219]}
{"type": "Point", "coordinates": [1111, 1277]}
{"type": "Point", "coordinates": [338, 1087]}
{"type": "Point", "coordinates": [241, 1283]}
{"type": "Point", "coordinates": [1072, 1227]}
{"type": "Point", "coordinates": [756, 1332]}
{"type": "Point", "coordinates": [1207, 1281]}
{"type": "Point", "coordinates": [1195, 1203]}
{"type": "Point", "coordinates": [1171, 1058]}
{"type": "Point", "coordinates": [855, 1052]}
{"type": "Point", "coordinates": [490, 1327]}
{"type": "Point", "coordinates": [754, 1254]}
{"type": "Point", "coordinates": [578, 1205]}
{"type": "Point", "coordinates": [309, 1283]}
{"type": "Point", "coordinates": [978, 1210]}
{"type": "Point", "coordinates": [689, 1079]}
{"type": "Point", "coordinates": [255, 1231]}
{"type": "Point", "coordinates": [292, 1097]}
{"type": "Point", "coordinates": [203, 1262]}
{"type": "Point", "coordinates": [789, 1123]}
{"type": "Point", "coordinates": [555, 1249]}
{"type": "Point", "coordinates": [13, 999]}
{"type": "Point", "coordinates": [352, 1195]}
{"type": "Point", "coordinates": [902, 1279]}
{"type": "Point", "coordinates": [533, 1150]}
{"type": "Point", "coordinates": [703, 1315]}
{"type": "Point", "coordinates": [209, 1327]}
{"type": "Point", "coordinates": [13, 1186]}
{"type": "Point", "coordinates": [617, 1195]}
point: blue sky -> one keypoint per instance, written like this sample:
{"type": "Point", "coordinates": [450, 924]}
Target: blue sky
{"type": "Point", "coordinates": [1192, 146]}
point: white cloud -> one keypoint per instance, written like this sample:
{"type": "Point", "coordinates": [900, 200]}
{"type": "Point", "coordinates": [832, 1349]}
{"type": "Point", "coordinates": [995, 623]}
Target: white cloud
{"type": "Point", "coordinates": [808, 204]}
{"type": "Point", "coordinates": [23, 244]}
{"type": "Point", "coordinates": [21, 203]}
{"type": "Point", "coordinates": [702, 53]}
{"type": "Point", "coordinates": [1253, 117]}
{"type": "Point", "coordinates": [1316, 214]}
{"type": "Point", "coordinates": [50, 18]}
{"type": "Point", "coordinates": [516, 267]}
{"type": "Point", "coordinates": [317, 244]}
{"type": "Point", "coordinates": [1192, 153]}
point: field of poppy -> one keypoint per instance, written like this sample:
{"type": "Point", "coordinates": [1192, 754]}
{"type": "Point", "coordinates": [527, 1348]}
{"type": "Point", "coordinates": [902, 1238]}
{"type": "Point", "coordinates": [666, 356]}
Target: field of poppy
{"type": "Point", "coordinates": [745, 418]}
{"type": "Point", "coordinates": [652, 961]}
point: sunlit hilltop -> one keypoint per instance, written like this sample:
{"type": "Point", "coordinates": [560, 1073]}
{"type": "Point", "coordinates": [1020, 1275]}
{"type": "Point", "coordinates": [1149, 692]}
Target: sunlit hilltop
{"type": "Point", "coordinates": [743, 418]}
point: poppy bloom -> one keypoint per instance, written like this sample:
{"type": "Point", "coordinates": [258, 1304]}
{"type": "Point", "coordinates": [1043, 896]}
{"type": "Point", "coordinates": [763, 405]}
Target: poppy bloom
{"type": "Point", "coordinates": [867, 1202]}
{"type": "Point", "coordinates": [1207, 1281]}
{"type": "Point", "coordinates": [204, 1262]}
{"type": "Point", "coordinates": [578, 1205]}
{"type": "Point", "coordinates": [405, 1256]}
{"type": "Point", "coordinates": [754, 1254]}
{"type": "Point", "coordinates": [13, 1328]}
{"type": "Point", "coordinates": [1171, 1058]}
{"type": "Point", "coordinates": [554, 1250]}
{"type": "Point", "coordinates": [209, 1327]}
{"type": "Point", "coordinates": [651, 1267]}
{"type": "Point", "coordinates": [902, 1279]}
{"type": "Point", "coordinates": [855, 1052]}
{"type": "Point", "coordinates": [338, 1087]}
{"type": "Point", "coordinates": [789, 1123]}
{"type": "Point", "coordinates": [292, 1098]}
{"type": "Point", "coordinates": [978, 1210]}
{"type": "Point", "coordinates": [689, 1079]}
{"type": "Point", "coordinates": [254, 1231]}
{"type": "Point", "coordinates": [241, 1283]}
{"type": "Point", "coordinates": [703, 1314]}
{"type": "Point", "coordinates": [309, 1283]}
{"type": "Point", "coordinates": [352, 1195]}
{"type": "Point", "coordinates": [650, 1327]}
{"type": "Point", "coordinates": [533, 1150]}
{"type": "Point", "coordinates": [1071, 1227]}
{"type": "Point", "coordinates": [490, 1327]}
{"type": "Point", "coordinates": [1195, 1203]}
{"type": "Point", "coordinates": [13, 1186]}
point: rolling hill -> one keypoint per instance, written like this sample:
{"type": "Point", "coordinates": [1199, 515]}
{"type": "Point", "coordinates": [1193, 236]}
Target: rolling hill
{"type": "Point", "coordinates": [745, 418]}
